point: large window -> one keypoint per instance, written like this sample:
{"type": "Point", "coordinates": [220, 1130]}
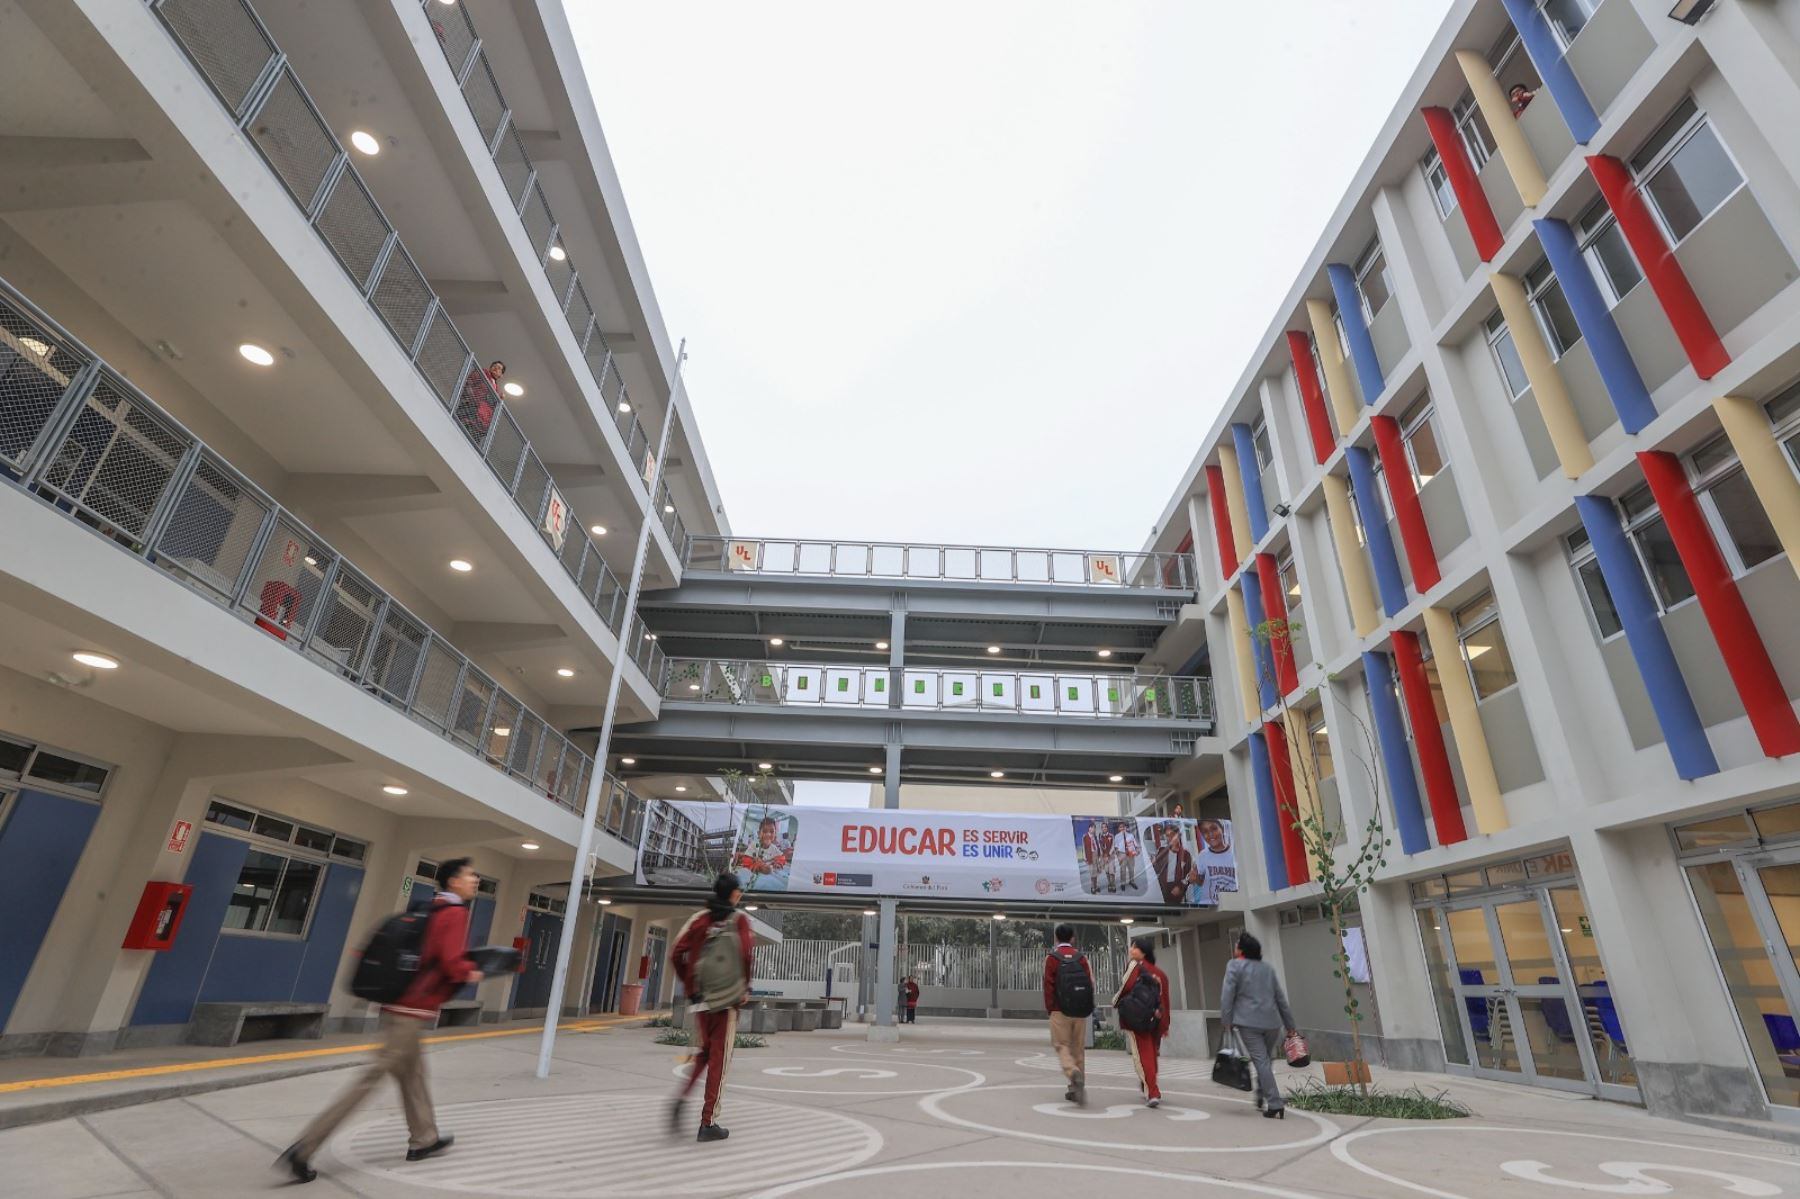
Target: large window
{"type": "Point", "coordinates": [1259, 441]}
{"type": "Point", "coordinates": [1608, 256]}
{"type": "Point", "coordinates": [279, 882]}
{"type": "Point", "coordinates": [1739, 523]}
{"type": "Point", "coordinates": [1685, 171]}
{"type": "Point", "coordinates": [1290, 579]}
{"type": "Point", "coordinates": [50, 769]}
{"type": "Point", "coordinates": [1506, 356]}
{"type": "Point", "coordinates": [1568, 17]}
{"type": "Point", "coordinates": [1593, 586]}
{"type": "Point", "coordinates": [1438, 180]}
{"type": "Point", "coordinates": [1422, 451]}
{"type": "Point", "coordinates": [1656, 549]}
{"type": "Point", "coordinates": [1484, 646]}
{"type": "Point", "coordinates": [1784, 414]}
{"type": "Point", "coordinates": [1551, 307]}
{"type": "Point", "coordinates": [1320, 740]}
{"type": "Point", "coordinates": [1372, 281]}
{"type": "Point", "coordinates": [1476, 135]}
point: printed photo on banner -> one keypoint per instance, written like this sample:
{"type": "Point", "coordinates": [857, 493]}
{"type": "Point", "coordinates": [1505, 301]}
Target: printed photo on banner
{"type": "Point", "coordinates": [687, 844]}
{"type": "Point", "coordinates": [1215, 864]}
{"type": "Point", "coordinates": [765, 852]}
{"type": "Point", "coordinates": [1109, 856]}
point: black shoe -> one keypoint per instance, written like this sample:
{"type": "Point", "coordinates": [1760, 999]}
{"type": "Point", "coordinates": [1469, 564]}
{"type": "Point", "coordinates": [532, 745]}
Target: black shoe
{"type": "Point", "coordinates": [712, 1132]}
{"type": "Point", "coordinates": [1069, 1095]}
{"type": "Point", "coordinates": [675, 1117]}
{"type": "Point", "coordinates": [1274, 1113]}
{"type": "Point", "coordinates": [1078, 1085]}
{"type": "Point", "coordinates": [291, 1161]}
{"type": "Point", "coordinates": [437, 1146]}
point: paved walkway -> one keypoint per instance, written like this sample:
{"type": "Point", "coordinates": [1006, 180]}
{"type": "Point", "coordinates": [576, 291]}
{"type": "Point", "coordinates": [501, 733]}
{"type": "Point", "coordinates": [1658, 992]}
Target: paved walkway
{"type": "Point", "coordinates": [949, 1110]}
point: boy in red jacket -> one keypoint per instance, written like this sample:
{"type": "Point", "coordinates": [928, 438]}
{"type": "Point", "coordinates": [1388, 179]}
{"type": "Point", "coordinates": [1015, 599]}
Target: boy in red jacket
{"type": "Point", "coordinates": [716, 1015]}
{"type": "Point", "coordinates": [444, 966]}
{"type": "Point", "coordinates": [1068, 1034]}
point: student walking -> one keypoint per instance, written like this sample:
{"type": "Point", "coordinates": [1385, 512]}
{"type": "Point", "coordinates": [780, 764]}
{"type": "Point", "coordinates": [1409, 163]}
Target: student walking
{"type": "Point", "coordinates": [1069, 999]}
{"type": "Point", "coordinates": [910, 992]}
{"type": "Point", "coordinates": [1143, 1007]}
{"type": "Point", "coordinates": [712, 958]}
{"type": "Point", "coordinates": [1253, 1002]}
{"type": "Point", "coordinates": [444, 966]}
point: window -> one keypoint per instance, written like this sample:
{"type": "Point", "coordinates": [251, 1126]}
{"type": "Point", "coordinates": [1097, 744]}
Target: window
{"type": "Point", "coordinates": [1421, 442]}
{"type": "Point", "coordinates": [1290, 580]}
{"type": "Point", "coordinates": [1438, 180]}
{"type": "Point", "coordinates": [1592, 585]}
{"type": "Point", "coordinates": [1685, 171]}
{"type": "Point", "coordinates": [1554, 316]}
{"type": "Point", "coordinates": [1484, 647]}
{"type": "Point", "coordinates": [274, 894]}
{"type": "Point", "coordinates": [1739, 523]}
{"type": "Point", "coordinates": [1320, 741]}
{"type": "Point", "coordinates": [1656, 549]}
{"type": "Point", "coordinates": [1337, 323]}
{"type": "Point", "coordinates": [1259, 440]}
{"type": "Point", "coordinates": [1476, 136]}
{"type": "Point", "coordinates": [1372, 281]}
{"type": "Point", "coordinates": [1568, 17]}
{"type": "Point", "coordinates": [239, 818]}
{"type": "Point", "coordinates": [1608, 256]}
{"type": "Point", "coordinates": [13, 757]}
{"type": "Point", "coordinates": [1784, 414]}
{"type": "Point", "coordinates": [1506, 356]}
{"type": "Point", "coordinates": [50, 768]}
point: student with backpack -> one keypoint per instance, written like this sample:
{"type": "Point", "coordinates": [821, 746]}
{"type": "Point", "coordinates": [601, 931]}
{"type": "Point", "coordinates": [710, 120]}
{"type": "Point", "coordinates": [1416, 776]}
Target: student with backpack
{"type": "Point", "coordinates": [1143, 1007]}
{"type": "Point", "coordinates": [1069, 999]}
{"type": "Point", "coordinates": [414, 963]}
{"type": "Point", "coordinates": [712, 957]}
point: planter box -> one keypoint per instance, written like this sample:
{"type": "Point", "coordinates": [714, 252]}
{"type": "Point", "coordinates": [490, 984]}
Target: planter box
{"type": "Point", "coordinates": [1339, 1074]}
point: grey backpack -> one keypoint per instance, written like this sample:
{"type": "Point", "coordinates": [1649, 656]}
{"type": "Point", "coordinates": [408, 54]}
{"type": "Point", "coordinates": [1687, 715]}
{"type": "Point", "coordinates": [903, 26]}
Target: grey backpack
{"type": "Point", "coordinates": [720, 971]}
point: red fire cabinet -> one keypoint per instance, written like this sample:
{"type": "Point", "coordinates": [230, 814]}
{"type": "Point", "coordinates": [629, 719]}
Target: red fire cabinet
{"type": "Point", "coordinates": [158, 918]}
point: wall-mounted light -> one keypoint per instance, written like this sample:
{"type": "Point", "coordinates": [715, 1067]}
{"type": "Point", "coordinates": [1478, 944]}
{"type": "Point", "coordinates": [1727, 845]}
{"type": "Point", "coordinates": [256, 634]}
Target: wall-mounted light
{"type": "Point", "coordinates": [1689, 12]}
{"type": "Point", "coordinates": [1283, 510]}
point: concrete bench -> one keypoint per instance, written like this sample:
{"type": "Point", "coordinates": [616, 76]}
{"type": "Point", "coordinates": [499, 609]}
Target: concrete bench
{"type": "Point", "coordinates": [759, 1019]}
{"type": "Point", "coordinates": [231, 1023]}
{"type": "Point", "coordinates": [460, 1013]}
{"type": "Point", "coordinates": [807, 1019]}
{"type": "Point", "coordinates": [831, 1017]}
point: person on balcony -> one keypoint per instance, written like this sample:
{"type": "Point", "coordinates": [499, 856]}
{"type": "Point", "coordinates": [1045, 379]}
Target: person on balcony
{"type": "Point", "coordinates": [480, 399]}
{"type": "Point", "coordinates": [1520, 97]}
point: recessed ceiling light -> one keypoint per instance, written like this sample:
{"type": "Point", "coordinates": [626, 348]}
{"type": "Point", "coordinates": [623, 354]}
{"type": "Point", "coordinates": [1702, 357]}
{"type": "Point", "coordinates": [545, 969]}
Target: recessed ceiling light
{"type": "Point", "coordinates": [1127, 920]}
{"type": "Point", "coordinates": [460, 566]}
{"type": "Point", "coordinates": [365, 141]}
{"type": "Point", "coordinates": [597, 530]}
{"type": "Point", "coordinates": [999, 915]}
{"type": "Point", "coordinates": [628, 761]}
{"type": "Point", "coordinates": [680, 787]}
{"type": "Point", "coordinates": [624, 405]}
{"type": "Point", "coordinates": [765, 765]}
{"type": "Point", "coordinates": [869, 911]}
{"type": "Point", "coordinates": [557, 253]}
{"type": "Point", "coordinates": [993, 649]}
{"type": "Point", "coordinates": [1106, 653]}
{"type": "Point", "coordinates": [501, 730]}
{"type": "Point", "coordinates": [565, 672]}
{"type": "Point", "coordinates": [693, 686]}
{"type": "Point", "coordinates": [750, 907]}
{"type": "Point", "coordinates": [393, 790]}
{"type": "Point", "coordinates": [1117, 778]}
{"type": "Point", "coordinates": [255, 353]}
{"type": "Point", "coordinates": [668, 507]}
{"type": "Point", "coordinates": [881, 645]}
{"type": "Point", "coordinates": [97, 661]}
{"type": "Point", "coordinates": [528, 845]}
{"type": "Point", "coordinates": [40, 348]}
{"type": "Point", "coordinates": [874, 770]}
{"type": "Point", "coordinates": [996, 774]}
{"type": "Point", "coordinates": [513, 389]}
{"type": "Point", "coordinates": [649, 636]}
{"type": "Point", "coordinates": [776, 641]}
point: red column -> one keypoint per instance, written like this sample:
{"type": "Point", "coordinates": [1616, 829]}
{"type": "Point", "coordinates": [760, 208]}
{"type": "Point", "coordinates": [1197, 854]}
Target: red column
{"type": "Point", "coordinates": [1275, 612]}
{"type": "Point", "coordinates": [1478, 214]}
{"type": "Point", "coordinates": [1312, 396]}
{"type": "Point", "coordinates": [1413, 529]}
{"type": "Point", "coordinates": [1215, 495]}
{"type": "Point", "coordinates": [1693, 327]}
{"type": "Point", "coordinates": [1287, 805]}
{"type": "Point", "coordinates": [1746, 657]}
{"type": "Point", "coordinates": [1428, 737]}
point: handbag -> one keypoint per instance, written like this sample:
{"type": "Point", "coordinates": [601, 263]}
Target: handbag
{"type": "Point", "coordinates": [1232, 1070]}
{"type": "Point", "coordinates": [1298, 1055]}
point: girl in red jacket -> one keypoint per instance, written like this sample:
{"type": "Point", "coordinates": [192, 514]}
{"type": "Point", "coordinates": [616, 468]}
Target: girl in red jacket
{"type": "Point", "coordinates": [1144, 1045]}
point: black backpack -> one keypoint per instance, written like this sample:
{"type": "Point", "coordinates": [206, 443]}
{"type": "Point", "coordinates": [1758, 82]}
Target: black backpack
{"type": "Point", "coordinates": [1074, 986]}
{"type": "Point", "coordinates": [390, 961]}
{"type": "Point", "coordinates": [1140, 1009]}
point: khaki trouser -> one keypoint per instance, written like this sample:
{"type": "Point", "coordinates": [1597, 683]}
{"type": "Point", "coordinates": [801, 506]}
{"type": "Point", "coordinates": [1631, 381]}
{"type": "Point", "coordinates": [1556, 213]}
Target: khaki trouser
{"type": "Point", "coordinates": [401, 1054]}
{"type": "Point", "coordinates": [1068, 1035]}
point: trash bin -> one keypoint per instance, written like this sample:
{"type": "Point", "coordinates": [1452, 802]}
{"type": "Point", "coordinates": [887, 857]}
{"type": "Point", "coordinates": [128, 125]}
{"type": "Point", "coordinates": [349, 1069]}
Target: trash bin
{"type": "Point", "coordinates": [630, 996]}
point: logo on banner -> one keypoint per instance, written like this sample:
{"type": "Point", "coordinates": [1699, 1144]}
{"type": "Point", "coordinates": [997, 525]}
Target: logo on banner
{"type": "Point", "coordinates": [828, 878]}
{"type": "Point", "coordinates": [993, 885]}
{"type": "Point", "coordinates": [926, 885]}
{"type": "Point", "coordinates": [556, 520]}
{"type": "Point", "coordinates": [1046, 886]}
{"type": "Point", "coordinates": [743, 555]}
{"type": "Point", "coordinates": [1104, 568]}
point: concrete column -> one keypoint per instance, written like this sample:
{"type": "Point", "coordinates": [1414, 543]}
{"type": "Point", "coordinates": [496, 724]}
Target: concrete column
{"type": "Point", "coordinates": [885, 984]}
{"type": "Point", "coordinates": [1206, 550]}
{"type": "Point", "coordinates": [1265, 925]}
{"type": "Point", "coordinates": [1404, 1015]}
{"type": "Point", "coordinates": [891, 776]}
{"type": "Point", "coordinates": [993, 970]}
{"type": "Point", "coordinates": [897, 651]}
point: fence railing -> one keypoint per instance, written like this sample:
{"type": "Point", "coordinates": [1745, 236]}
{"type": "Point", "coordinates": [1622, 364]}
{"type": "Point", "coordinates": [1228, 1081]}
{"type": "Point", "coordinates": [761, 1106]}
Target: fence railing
{"type": "Point", "coordinates": [1121, 696]}
{"type": "Point", "coordinates": [1013, 967]}
{"type": "Point", "coordinates": [76, 434]}
{"type": "Point", "coordinates": [231, 48]}
{"type": "Point", "coordinates": [475, 77]}
{"type": "Point", "coordinates": [942, 563]}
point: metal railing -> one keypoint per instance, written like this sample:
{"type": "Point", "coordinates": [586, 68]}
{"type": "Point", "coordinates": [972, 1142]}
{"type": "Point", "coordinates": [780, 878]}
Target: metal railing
{"type": "Point", "coordinates": [233, 51]}
{"type": "Point", "coordinates": [76, 434]}
{"type": "Point", "coordinates": [941, 563]}
{"type": "Point", "coordinates": [1110, 696]}
{"type": "Point", "coordinates": [475, 78]}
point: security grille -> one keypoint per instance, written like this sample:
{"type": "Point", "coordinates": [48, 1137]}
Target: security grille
{"type": "Point", "coordinates": [294, 140]}
{"type": "Point", "coordinates": [225, 41]}
{"type": "Point", "coordinates": [354, 228]}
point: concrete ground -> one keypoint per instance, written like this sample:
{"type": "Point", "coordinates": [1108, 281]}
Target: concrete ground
{"type": "Point", "coordinates": [950, 1109]}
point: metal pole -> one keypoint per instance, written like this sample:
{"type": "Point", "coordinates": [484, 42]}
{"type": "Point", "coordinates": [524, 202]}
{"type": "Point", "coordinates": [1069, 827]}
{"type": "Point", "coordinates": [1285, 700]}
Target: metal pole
{"type": "Point", "coordinates": [585, 842]}
{"type": "Point", "coordinates": [886, 986]}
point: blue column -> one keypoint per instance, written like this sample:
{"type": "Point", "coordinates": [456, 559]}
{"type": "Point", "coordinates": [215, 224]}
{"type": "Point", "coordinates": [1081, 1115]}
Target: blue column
{"type": "Point", "coordinates": [1375, 530]}
{"type": "Point", "coordinates": [1682, 731]}
{"type": "Point", "coordinates": [1264, 659]}
{"type": "Point", "coordinates": [1396, 759]}
{"type": "Point", "coordinates": [1362, 346]}
{"type": "Point", "coordinates": [1617, 369]}
{"type": "Point", "coordinates": [1252, 477]}
{"type": "Point", "coordinates": [1268, 823]}
{"type": "Point", "coordinates": [1547, 56]}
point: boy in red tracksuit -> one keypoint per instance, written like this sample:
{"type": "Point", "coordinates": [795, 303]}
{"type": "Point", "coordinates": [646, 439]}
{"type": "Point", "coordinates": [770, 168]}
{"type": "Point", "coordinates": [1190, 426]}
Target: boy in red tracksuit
{"type": "Point", "coordinates": [1144, 1046]}
{"type": "Point", "coordinates": [717, 1017]}
{"type": "Point", "coordinates": [444, 966]}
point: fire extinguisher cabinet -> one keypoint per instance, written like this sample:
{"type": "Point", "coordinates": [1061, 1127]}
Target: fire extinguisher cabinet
{"type": "Point", "coordinates": [158, 917]}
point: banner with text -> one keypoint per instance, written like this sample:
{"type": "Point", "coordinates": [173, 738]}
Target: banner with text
{"type": "Point", "coordinates": [946, 855]}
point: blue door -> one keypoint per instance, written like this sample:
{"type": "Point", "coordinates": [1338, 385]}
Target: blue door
{"type": "Point", "coordinates": [41, 840]}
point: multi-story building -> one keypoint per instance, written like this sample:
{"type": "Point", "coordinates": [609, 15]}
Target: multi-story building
{"type": "Point", "coordinates": [1497, 536]}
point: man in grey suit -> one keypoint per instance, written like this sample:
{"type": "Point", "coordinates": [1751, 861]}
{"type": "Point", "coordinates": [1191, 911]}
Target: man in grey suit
{"type": "Point", "coordinates": [1253, 1002]}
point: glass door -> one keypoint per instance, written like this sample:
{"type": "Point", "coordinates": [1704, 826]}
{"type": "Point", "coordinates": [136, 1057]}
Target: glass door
{"type": "Point", "coordinates": [1544, 1006]}
{"type": "Point", "coordinates": [1751, 908]}
{"type": "Point", "coordinates": [1483, 986]}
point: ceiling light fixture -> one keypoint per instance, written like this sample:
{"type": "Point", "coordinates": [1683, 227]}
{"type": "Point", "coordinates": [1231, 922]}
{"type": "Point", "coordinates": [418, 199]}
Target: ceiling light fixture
{"type": "Point", "coordinates": [565, 672]}
{"type": "Point", "coordinates": [776, 642]}
{"type": "Point", "coordinates": [501, 730]}
{"type": "Point", "coordinates": [391, 789]}
{"type": "Point", "coordinates": [1127, 920]}
{"type": "Point", "coordinates": [1116, 778]}
{"type": "Point", "coordinates": [869, 912]}
{"type": "Point", "coordinates": [693, 686]}
{"type": "Point", "coordinates": [40, 348]}
{"type": "Point", "coordinates": [750, 907]}
{"type": "Point", "coordinates": [668, 507]}
{"type": "Point", "coordinates": [996, 774]}
{"type": "Point", "coordinates": [528, 845]}
{"type": "Point", "coordinates": [515, 390]}
{"type": "Point", "coordinates": [1105, 653]}
{"type": "Point", "coordinates": [874, 770]}
{"type": "Point", "coordinates": [765, 765]}
{"type": "Point", "coordinates": [649, 636]}
{"type": "Point", "coordinates": [993, 649]}
{"type": "Point", "coordinates": [557, 253]}
{"type": "Point", "coordinates": [365, 141]}
{"type": "Point", "coordinates": [461, 566]}
{"type": "Point", "coordinates": [97, 661]}
{"type": "Point", "coordinates": [597, 530]}
{"type": "Point", "coordinates": [680, 787]}
{"type": "Point", "coordinates": [999, 915]}
{"type": "Point", "coordinates": [628, 761]}
{"type": "Point", "coordinates": [254, 353]}
{"type": "Point", "coordinates": [624, 405]}
{"type": "Point", "coordinates": [881, 645]}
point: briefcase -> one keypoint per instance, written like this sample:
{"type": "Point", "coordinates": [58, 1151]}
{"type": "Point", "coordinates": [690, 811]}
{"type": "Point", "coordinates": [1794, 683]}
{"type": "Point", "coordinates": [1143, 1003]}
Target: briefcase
{"type": "Point", "coordinates": [1232, 1070]}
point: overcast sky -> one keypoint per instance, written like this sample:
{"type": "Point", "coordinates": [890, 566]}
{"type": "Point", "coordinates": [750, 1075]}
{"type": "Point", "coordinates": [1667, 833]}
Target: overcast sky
{"type": "Point", "coordinates": [979, 272]}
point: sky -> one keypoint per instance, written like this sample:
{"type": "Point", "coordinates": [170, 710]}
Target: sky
{"type": "Point", "coordinates": [979, 273]}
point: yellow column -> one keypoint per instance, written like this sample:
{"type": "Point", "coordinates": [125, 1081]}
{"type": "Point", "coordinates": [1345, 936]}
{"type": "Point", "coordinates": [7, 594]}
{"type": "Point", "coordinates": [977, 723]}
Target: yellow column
{"type": "Point", "coordinates": [1357, 585]}
{"type": "Point", "coordinates": [1521, 163]}
{"type": "Point", "coordinates": [1767, 467]}
{"type": "Point", "coordinates": [1300, 759]}
{"type": "Point", "coordinates": [1234, 503]}
{"type": "Point", "coordinates": [1465, 722]}
{"type": "Point", "coordinates": [1331, 360]}
{"type": "Point", "coordinates": [1546, 381]}
{"type": "Point", "coordinates": [1241, 651]}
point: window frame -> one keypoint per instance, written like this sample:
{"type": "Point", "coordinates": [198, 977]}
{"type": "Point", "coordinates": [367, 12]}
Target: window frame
{"type": "Point", "coordinates": [1785, 428]}
{"type": "Point", "coordinates": [1565, 40]}
{"type": "Point", "coordinates": [1464, 632]}
{"type": "Point", "coordinates": [1433, 164]}
{"type": "Point", "coordinates": [288, 854]}
{"type": "Point", "coordinates": [1595, 222]}
{"type": "Point", "coordinates": [1703, 483]}
{"type": "Point", "coordinates": [34, 749]}
{"type": "Point", "coordinates": [1493, 330]}
{"type": "Point", "coordinates": [1534, 295]}
{"type": "Point", "coordinates": [1633, 524]}
{"type": "Point", "coordinates": [1261, 444]}
{"type": "Point", "coordinates": [1418, 415]}
{"type": "Point", "coordinates": [1673, 146]}
{"type": "Point", "coordinates": [1466, 113]}
{"type": "Point", "coordinates": [1580, 552]}
{"type": "Point", "coordinates": [1373, 261]}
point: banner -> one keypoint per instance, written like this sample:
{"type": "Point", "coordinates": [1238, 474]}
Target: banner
{"type": "Point", "coordinates": [869, 852]}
